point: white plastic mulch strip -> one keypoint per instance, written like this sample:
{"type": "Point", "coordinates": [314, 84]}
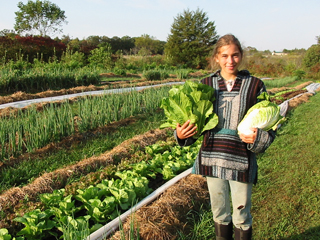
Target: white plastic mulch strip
{"type": "Point", "coordinates": [285, 105]}
{"type": "Point", "coordinates": [313, 87]}
{"type": "Point", "coordinates": [112, 226]}
{"type": "Point", "coordinates": [21, 104]}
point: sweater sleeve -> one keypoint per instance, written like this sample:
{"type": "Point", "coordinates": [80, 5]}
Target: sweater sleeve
{"type": "Point", "coordinates": [184, 142]}
{"type": "Point", "coordinates": [262, 141]}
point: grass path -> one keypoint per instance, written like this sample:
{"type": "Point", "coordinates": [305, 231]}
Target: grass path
{"type": "Point", "coordinates": [286, 201]}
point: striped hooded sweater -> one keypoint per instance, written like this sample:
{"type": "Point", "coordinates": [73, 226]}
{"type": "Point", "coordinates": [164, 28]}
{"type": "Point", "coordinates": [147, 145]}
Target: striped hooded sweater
{"type": "Point", "coordinates": [223, 154]}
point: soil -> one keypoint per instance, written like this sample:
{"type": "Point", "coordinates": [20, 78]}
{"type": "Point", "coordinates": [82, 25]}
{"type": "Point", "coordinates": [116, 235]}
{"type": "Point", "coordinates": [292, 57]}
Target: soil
{"type": "Point", "coordinates": [283, 97]}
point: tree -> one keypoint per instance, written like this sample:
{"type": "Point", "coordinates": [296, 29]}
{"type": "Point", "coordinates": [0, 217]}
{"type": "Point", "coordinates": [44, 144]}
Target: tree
{"type": "Point", "coordinates": [191, 40]}
{"type": "Point", "coordinates": [94, 40]}
{"type": "Point", "coordinates": [101, 57]}
{"type": "Point", "coordinates": [312, 56]}
{"type": "Point", "coordinates": [7, 33]}
{"type": "Point", "coordinates": [43, 17]}
{"type": "Point", "coordinates": [250, 50]}
{"type": "Point", "coordinates": [147, 45]}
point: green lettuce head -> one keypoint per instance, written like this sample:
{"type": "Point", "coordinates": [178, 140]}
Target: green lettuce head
{"type": "Point", "coordinates": [191, 101]}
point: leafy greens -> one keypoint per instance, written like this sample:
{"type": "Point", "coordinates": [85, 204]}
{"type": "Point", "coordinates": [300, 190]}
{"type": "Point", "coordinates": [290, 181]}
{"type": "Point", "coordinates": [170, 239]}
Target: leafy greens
{"type": "Point", "coordinates": [191, 101]}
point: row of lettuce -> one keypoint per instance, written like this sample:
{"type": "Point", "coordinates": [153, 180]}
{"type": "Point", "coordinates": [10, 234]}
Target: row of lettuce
{"type": "Point", "coordinates": [75, 216]}
{"type": "Point", "coordinates": [30, 129]}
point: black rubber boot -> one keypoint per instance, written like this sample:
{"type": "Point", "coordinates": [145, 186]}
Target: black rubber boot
{"type": "Point", "coordinates": [240, 234]}
{"type": "Point", "coordinates": [223, 232]}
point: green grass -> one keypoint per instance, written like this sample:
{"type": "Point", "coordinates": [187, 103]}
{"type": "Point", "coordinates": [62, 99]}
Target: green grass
{"type": "Point", "coordinates": [115, 79]}
{"type": "Point", "coordinates": [277, 83]}
{"type": "Point", "coordinates": [25, 172]}
{"type": "Point", "coordinates": [286, 200]}
{"type": "Point", "coordinates": [202, 223]}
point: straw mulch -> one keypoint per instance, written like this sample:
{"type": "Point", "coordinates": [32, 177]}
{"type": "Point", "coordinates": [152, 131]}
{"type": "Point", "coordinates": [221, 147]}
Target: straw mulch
{"type": "Point", "coordinates": [163, 218]}
{"type": "Point", "coordinates": [57, 179]}
{"type": "Point", "coordinates": [303, 85]}
{"type": "Point", "coordinates": [299, 87]}
{"type": "Point", "coordinates": [293, 103]}
{"type": "Point", "coordinates": [20, 96]}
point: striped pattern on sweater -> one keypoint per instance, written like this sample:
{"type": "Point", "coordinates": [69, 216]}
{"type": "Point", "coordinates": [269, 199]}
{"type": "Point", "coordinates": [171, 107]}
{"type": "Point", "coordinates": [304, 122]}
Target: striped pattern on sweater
{"type": "Point", "coordinates": [223, 154]}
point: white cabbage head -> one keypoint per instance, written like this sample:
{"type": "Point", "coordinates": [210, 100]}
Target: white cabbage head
{"type": "Point", "coordinates": [264, 115]}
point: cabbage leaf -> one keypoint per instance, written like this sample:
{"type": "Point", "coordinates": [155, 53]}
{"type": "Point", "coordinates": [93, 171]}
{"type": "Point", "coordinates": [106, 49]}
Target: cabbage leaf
{"type": "Point", "coordinates": [264, 115]}
{"type": "Point", "coordinates": [191, 101]}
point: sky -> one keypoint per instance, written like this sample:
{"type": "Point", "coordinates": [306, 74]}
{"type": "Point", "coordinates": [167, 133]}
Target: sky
{"type": "Point", "coordinates": [263, 24]}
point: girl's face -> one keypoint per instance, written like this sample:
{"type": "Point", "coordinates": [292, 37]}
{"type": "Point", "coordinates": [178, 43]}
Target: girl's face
{"type": "Point", "coordinates": [229, 58]}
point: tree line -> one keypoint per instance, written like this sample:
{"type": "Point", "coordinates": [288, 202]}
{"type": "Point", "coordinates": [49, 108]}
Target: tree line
{"type": "Point", "coordinates": [192, 36]}
{"type": "Point", "coordinates": [190, 42]}
{"type": "Point", "coordinates": [13, 46]}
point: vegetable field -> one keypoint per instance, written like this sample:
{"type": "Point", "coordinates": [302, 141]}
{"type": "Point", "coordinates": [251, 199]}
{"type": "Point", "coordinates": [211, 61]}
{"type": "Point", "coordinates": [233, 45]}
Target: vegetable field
{"type": "Point", "coordinates": [68, 168]}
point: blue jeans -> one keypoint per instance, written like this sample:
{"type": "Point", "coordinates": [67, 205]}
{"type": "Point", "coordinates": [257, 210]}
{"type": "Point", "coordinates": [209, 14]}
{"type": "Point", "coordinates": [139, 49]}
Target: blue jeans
{"type": "Point", "coordinates": [219, 190]}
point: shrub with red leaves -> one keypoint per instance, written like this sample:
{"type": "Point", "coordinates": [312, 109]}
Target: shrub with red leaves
{"type": "Point", "coordinates": [30, 47]}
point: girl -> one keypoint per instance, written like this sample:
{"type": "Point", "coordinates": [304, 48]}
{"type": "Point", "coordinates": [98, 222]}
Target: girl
{"type": "Point", "coordinates": [226, 159]}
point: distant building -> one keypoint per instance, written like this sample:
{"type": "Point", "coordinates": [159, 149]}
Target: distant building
{"type": "Point", "coordinates": [274, 53]}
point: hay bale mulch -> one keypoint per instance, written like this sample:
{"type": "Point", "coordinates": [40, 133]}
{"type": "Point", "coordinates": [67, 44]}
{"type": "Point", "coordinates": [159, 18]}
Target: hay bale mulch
{"type": "Point", "coordinates": [163, 218]}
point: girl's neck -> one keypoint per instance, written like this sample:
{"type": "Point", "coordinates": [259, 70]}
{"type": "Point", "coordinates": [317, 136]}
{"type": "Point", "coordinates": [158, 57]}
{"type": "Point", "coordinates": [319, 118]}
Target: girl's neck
{"type": "Point", "coordinates": [228, 76]}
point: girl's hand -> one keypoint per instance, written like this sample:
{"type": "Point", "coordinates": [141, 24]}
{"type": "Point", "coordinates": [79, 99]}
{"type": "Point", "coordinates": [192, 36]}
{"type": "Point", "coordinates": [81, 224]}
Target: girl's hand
{"type": "Point", "coordinates": [250, 138]}
{"type": "Point", "coordinates": [186, 130]}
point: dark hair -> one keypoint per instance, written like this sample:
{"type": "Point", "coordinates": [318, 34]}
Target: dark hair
{"type": "Point", "coordinates": [224, 41]}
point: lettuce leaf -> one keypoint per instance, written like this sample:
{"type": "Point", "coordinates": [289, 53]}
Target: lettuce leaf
{"type": "Point", "coordinates": [191, 101]}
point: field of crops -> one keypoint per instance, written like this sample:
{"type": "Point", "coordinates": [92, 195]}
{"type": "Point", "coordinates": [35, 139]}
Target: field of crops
{"type": "Point", "coordinates": [68, 168]}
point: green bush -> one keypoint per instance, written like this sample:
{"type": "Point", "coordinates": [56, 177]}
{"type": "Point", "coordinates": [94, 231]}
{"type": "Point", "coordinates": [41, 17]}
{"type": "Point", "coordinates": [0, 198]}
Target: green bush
{"type": "Point", "coordinates": [101, 57]}
{"type": "Point", "coordinates": [73, 60]}
{"type": "Point", "coordinates": [312, 56]}
{"type": "Point", "coordinates": [50, 76]}
{"type": "Point", "coordinates": [131, 66]}
{"type": "Point", "coordinates": [164, 74]}
{"type": "Point", "coordinates": [152, 75]}
{"type": "Point", "coordinates": [298, 74]}
{"type": "Point", "coordinates": [182, 73]}
{"type": "Point", "coordinates": [150, 66]}
{"type": "Point", "coordinates": [119, 71]}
